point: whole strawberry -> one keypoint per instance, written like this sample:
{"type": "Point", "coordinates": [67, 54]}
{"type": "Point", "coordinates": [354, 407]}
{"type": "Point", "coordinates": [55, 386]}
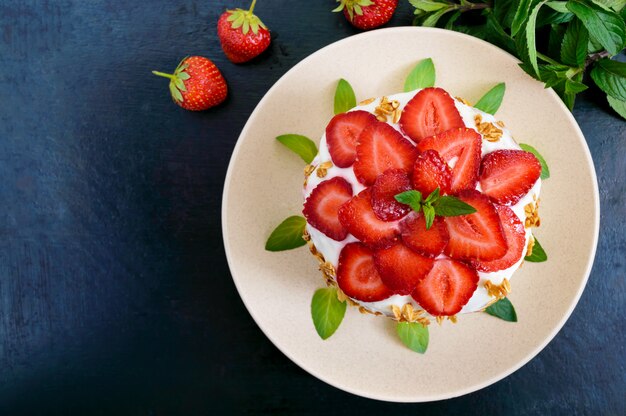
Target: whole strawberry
{"type": "Point", "coordinates": [367, 14]}
{"type": "Point", "coordinates": [196, 84]}
{"type": "Point", "coordinates": [242, 34]}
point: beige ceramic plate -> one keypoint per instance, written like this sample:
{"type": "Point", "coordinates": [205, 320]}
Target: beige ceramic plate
{"type": "Point", "coordinates": [365, 357]}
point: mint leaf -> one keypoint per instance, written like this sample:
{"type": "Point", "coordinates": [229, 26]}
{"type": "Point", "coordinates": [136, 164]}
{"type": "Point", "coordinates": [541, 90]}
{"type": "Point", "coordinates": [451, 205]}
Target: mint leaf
{"type": "Point", "coordinates": [604, 26]}
{"type": "Point", "coordinates": [538, 255]}
{"type": "Point", "coordinates": [449, 206]}
{"type": "Point", "coordinates": [301, 145]}
{"type": "Point", "coordinates": [559, 6]}
{"type": "Point", "coordinates": [610, 4]}
{"type": "Point", "coordinates": [610, 76]}
{"type": "Point", "coordinates": [503, 309]}
{"type": "Point", "coordinates": [411, 198]}
{"type": "Point", "coordinates": [521, 14]}
{"type": "Point", "coordinates": [287, 235]}
{"type": "Point", "coordinates": [422, 76]}
{"type": "Point", "coordinates": [429, 215]}
{"type": "Point", "coordinates": [574, 87]}
{"type": "Point", "coordinates": [530, 36]}
{"type": "Point", "coordinates": [617, 105]}
{"type": "Point", "coordinates": [490, 102]}
{"type": "Point", "coordinates": [327, 312]}
{"type": "Point", "coordinates": [432, 20]}
{"type": "Point", "coordinates": [434, 195]}
{"type": "Point", "coordinates": [344, 97]}
{"type": "Point", "coordinates": [574, 46]}
{"type": "Point", "coordinates": [427, 5]}
{"type": "Point", "coordinates": [545, 172]}
{"type": "Point", "coordinates": [414, 335]}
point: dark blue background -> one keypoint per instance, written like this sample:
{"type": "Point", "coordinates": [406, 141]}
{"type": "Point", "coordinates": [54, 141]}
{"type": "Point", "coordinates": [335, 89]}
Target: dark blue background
{"type": "Point", "coordinates": [115, 295]}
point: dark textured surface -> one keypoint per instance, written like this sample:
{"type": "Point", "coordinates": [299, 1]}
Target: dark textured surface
{"type": "Point", "coordinates": [115, 295]}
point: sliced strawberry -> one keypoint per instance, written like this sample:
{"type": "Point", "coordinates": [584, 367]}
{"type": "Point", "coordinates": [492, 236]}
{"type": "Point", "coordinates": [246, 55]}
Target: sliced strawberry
{"type": "Point", "coordinates": [359, 219]}
{"type": "Point", "coordinates": [322, 206]}
{"type": "Point", "coordinates": [357, 275]}
{"type": "Point", "coordinates": [507, 175]}
{"type": "Point", "coordinates": [386, 187]}
{"type": "Point", "coordinates": [381, 147]}
{"type": "Point", "coordinates": [515, 235]}
{"type": "Point", "coordinates": [447, 288]}
{"type": "Point", "coordinates": [401, 268]}
{"type": "Point", "coordinates": [476, 236]}
{"type": "Point", "coordinates": [342, 133]}
{"type": "Point", "coordinates": [429, 242]}
{"type": "Point", "coordinates": [430, 171]}
{"type": "Point", "coordinates": [431, 111]}
{"type": "Point", "coordinates": [461, 147]}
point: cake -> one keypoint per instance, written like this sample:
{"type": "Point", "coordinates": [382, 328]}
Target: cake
{"type": "Point", "coordinates": [382, 200]}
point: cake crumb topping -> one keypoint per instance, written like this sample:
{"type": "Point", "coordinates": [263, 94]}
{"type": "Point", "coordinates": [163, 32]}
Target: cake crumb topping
{"type": "Point", "coordinates": [531, 244]}
{"type": "Point", "coordinates": [322, 168]}
{"type": "Point", "coordinates": [498, 291]}
{"type": "Point", "coordinates": [489, 131]}
{"type": "Point", "coordinates": [408, 314]}
{"type": "Point", "coordinates": [532, 214]}
{"type": "Point", "coordinates": [388, 108]}
{"type": "Point", "coordinates": [464, 101]}
{"type": "Point", "coordinates": [308, 170]}
{"type": "Point", "coordinates": [328, 270]}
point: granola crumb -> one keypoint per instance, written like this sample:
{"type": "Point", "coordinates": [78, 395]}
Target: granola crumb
{"type": "Point", "coordinates": [464, 101]}
{"type": "Point", "coordinates": [531, 244]}
{"type": "Point", "coordinates": [368, 101]}
{"type": "Point", "coordinates": [498, 291]}
{"type": "Point", "coordinates": [489, 131]}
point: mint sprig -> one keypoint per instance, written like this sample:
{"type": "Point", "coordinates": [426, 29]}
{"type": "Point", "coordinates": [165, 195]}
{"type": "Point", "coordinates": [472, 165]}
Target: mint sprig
{"type": "Point", "coordinates": [503, 309]}
{"type": "Point", "coordinates": [434, 204]}
{"type": "Point", "coordinates": [558, 42]}
{"type": "Point", "coordinates": [287, 235]}
{"type": "Point", "coordinates": [491, 101]}
{"type": "Point", "coordinates": [301, 145]}
{"type": "Point", "coordinates": [422, 76]}
{"type": "Point", "coordinates": [344, 97]}
{"type": "Point", "coordinates": [327, 311]}
{"type": "Point", "coordinates": [538, 254]}
{"type": "Point", "coordinates": [414, 335]}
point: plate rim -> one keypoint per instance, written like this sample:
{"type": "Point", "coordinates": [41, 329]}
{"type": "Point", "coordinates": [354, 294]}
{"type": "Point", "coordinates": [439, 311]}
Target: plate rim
{"type": "Point", "coordinates": [461, 391]}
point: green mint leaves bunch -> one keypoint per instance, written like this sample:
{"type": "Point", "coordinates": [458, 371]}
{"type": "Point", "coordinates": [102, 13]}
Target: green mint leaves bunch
{"type": "Point", "coordinates": [557, 41]}
{"type": "Point", "coordinates": [434, 204]}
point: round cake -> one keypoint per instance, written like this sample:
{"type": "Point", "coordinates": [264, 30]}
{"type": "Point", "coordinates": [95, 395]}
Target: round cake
{"type": "Point", "coordinates": [386, 202]}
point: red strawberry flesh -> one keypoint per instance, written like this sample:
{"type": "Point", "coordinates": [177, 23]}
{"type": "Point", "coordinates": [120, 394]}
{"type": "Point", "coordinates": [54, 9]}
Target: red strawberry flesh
{"type": "Point", "coordinates": [359, 219]}
{"type": "Point", "coordinates": [515, 235]}
{"type": "Point", "coordinates": [462, 145]}
{"type": "Point", "coordinates": [446, 288]}
{"type": "Point", "coordinates": [430, 171]}
{"type": "Point", "coordinates": [357, 275]}
{"type": "Point", "coordinates": [384, 190]}
{"type": "Point", "coordinates": [322, 206]}
{"type": "Point", "coordinates": [342, 133]}
{"type": "Point", "coordinates": [431, 111]}
{"type": "Point", "coordinates": [401, 268]}
{"type": "Point", "coordinates": [507, 175]}
{"type": "Point", "coordinates": [381, 147]}
{"type": "Point", "coordinates": [429, 242]}
{"type": "Point", "coordinates": [476, 236]}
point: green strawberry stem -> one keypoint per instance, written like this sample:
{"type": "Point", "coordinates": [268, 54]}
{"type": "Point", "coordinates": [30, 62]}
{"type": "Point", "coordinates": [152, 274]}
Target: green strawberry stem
{"type": "Point", "coordinates": [251, 10]}
{"type": "Point", "coordinates": [163, 74]}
